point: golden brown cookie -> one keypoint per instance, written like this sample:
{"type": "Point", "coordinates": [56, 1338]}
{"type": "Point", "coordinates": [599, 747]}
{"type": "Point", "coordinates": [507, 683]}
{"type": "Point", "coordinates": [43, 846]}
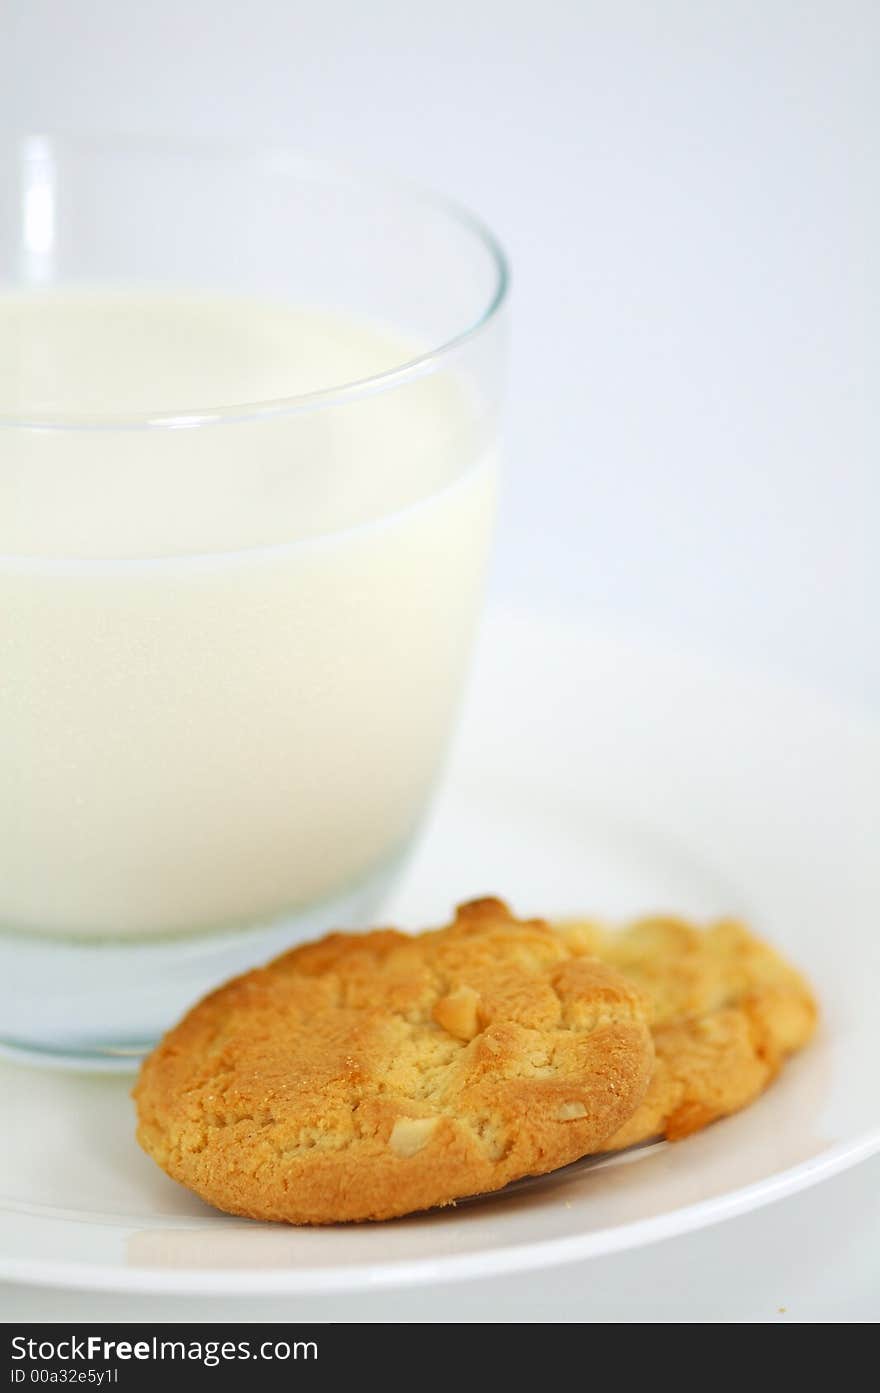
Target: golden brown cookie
{"type": "Point", "coordinates": [367, 1076]}
{"type": "Point", "coordinates": [727, 1011]}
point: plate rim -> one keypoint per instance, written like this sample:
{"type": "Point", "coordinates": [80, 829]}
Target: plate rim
{"type": "Point", "coordinates": [491, 1262]}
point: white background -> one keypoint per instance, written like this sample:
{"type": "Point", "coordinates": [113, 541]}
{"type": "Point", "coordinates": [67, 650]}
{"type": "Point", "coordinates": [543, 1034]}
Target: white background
{"type": "Point", "coordinates": [688, 192]}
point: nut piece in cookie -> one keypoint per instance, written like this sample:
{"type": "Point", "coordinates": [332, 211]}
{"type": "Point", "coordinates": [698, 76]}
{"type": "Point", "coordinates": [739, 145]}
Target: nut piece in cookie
{"type": "Point", "coordinates": [370, 1075]}
{"type": "Point", "coordinates": [727, 1012]}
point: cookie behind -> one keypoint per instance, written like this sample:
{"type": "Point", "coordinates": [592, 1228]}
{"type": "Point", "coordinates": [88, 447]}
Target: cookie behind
{"type": "Point", "coordinates": [727, 1012]}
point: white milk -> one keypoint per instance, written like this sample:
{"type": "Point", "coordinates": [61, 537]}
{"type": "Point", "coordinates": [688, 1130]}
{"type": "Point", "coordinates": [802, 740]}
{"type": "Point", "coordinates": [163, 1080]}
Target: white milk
{"type": "Point", "coordinates": [229, 655]}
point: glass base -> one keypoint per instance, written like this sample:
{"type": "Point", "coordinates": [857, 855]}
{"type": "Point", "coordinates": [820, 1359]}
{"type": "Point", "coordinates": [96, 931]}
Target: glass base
{"type": "Point", "coordinates": [99, 1004]}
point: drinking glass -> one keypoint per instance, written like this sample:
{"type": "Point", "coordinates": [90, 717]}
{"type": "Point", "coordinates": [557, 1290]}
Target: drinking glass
{"type": "Point", "coordinates": [248, 419]}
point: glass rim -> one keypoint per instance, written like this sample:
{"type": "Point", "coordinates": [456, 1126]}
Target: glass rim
{"type": "Point", "coordinates": [285, 160]}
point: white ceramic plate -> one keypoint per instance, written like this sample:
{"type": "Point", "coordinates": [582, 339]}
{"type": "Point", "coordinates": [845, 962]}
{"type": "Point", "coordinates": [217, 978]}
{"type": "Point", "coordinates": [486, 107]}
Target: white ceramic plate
{"type": "Point", "coordinates": [591, 775]}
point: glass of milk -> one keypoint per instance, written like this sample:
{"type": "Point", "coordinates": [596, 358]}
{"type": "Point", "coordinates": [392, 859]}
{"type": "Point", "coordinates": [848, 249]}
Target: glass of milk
{"type": "Point", "coordinates": [248, 419]}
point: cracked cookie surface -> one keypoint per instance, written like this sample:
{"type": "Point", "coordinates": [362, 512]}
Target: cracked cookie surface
{"type": "Point", "coordinates": [728, 1010]}
{"type": "Point", "coordinates": [367, 1076]}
